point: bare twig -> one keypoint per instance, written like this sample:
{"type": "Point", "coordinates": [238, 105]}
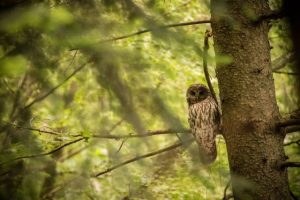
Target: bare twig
{"type": "Point", "coordinates": [115, 125]}
{"type": "Point", "coordinates": [109, 136]}
{"type": "Point", "coordinates": [287, 73]}
{"type": "Point", "coordinates": [147, 134]}
{"type": "Point", "coordinates": [174, 146]}
{"type": "Point", "coordinates": [58, 188]}
{"type": "Point", "coordinates": [73, 153]}
{"type": "Point", "coordinates": [42, 97]}
{"type": "Point", "coordinates": [292, 129]}
{"type": "Point", "coordinates": [292, 142]}
{"type": "Point", "coordinates": [288, 122]}
{"type": "Point", "coordinates": [34, 129]}
{"type": "Point", "coordinates": [160, 27]}
{"type": "Point", "coordinates": [289, 164]}
{"type": "Point", "coordinates": [206, 47]}
{"type": "Point", "coordinates": [122, 143]}
{"type": "Point", "coordinates": [46, 153]}
{"type": "Point", "coordinates": [225, 196]}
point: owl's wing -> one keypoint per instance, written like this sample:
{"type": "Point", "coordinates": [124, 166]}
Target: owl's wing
{"type": "Point", "coordinates": [217, 118]}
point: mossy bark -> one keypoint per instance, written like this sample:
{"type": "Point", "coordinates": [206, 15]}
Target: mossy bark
{"type": "Point", "coordinates": [247, 93]}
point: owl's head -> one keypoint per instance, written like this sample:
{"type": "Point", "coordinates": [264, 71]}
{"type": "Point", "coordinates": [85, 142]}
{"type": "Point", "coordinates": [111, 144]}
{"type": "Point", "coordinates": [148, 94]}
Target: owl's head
{"type": "Point", "coordinates": [196, 93]}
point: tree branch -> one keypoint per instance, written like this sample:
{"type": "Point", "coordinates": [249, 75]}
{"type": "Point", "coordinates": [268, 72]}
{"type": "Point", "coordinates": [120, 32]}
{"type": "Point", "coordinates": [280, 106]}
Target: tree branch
{"type": "Point", "coordinates": [44, 154]}
{"type": "Point", "coordinates": [225, 196]}
{"type": "Point", "coordinates": [164, 26]}
{"type": "Point", "coordinates": [109, 136]}
{"type": "Point", "coordinates": [205, 69]}
{"type": "Point", "coordinates": [287, 73]}
{"type": "Point", "coordinates": [34, 129]}
{"type": "Point", "coordinates": [174, 146]}
{"type": "Point", "coordinates": [272, 15]}
{"type": "Point", "coordinates": [289, 164]}
{"type": "Point", "coordinates": [288, 122]}
{"type": "Point", "coordinates": [147, 134]}
{"type": "Point", "coordinates": [292, 129]}
{"type": "Point", "coordinates": [291, 122]}
{"type": "Point", "coordinates": [42, 97]}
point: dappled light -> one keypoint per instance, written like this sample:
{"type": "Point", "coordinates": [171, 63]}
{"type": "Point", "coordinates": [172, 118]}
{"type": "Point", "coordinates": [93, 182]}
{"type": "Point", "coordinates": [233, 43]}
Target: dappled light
{"type": "Point", "coordinates": [93, 100]}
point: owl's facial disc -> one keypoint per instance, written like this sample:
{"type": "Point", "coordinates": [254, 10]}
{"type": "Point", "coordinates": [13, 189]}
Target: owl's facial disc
{"type": "Point", "coordinates": [202, 93]}
{"type": "Point", "coordinates": [197, 93]}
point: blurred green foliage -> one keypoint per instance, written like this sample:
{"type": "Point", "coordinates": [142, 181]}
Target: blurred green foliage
{"type": "Point", "coordinates": [62, 73]}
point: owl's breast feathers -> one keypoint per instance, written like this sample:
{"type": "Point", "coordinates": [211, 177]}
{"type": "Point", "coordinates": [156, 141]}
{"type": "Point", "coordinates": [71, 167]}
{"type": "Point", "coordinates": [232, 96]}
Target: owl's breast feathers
{"type": "Point", "coordinates": [204, 113]}
{"type": "Point", "coordinates": [204, 120]}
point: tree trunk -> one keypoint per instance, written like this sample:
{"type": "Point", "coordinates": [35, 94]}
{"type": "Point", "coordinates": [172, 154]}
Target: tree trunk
{"type": "Point", "coordinates": [248, 101]}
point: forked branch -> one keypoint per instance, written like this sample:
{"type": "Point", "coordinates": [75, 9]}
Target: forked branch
{"type": "Point", "coordinates": [42, 97]}
{"type": "Point", "coordinates": [107, 135]}
{"type": "Point", "coordinates": [174, 146]}
{"type": "Point", "coordinates": [44, 154]}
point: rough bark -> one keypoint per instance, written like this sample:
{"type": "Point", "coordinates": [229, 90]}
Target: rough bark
{"type": "Point", "coordinates": [254, 145]}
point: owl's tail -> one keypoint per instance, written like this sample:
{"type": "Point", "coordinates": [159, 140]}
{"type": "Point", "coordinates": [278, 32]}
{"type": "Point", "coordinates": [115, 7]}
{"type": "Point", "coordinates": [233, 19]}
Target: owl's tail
{"type": "Point", "coordinates": [208, 155]}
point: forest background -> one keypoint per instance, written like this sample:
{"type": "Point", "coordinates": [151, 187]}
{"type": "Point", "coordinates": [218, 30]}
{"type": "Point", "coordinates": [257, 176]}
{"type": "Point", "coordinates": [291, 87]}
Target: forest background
{"type": "Point", "coordinates": [91, 89]}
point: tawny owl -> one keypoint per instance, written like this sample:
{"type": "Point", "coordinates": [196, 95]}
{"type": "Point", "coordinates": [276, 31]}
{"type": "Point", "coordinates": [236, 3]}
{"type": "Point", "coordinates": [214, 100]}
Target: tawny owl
{"type": "Point", "coordinates": [204, 120]}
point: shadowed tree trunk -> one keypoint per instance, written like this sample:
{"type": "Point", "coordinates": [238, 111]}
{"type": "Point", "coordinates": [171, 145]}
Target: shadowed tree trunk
{"type": "Point", "coordinates": [248, 101]}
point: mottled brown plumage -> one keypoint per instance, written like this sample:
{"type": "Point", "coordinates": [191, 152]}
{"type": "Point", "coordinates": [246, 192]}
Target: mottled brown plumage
{"type": "Point", "coordinates": [204, 120]}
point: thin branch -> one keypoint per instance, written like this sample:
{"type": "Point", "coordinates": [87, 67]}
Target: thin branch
{"type": "Point", "coordinates": [287, 73]}
{"type": "Point", "coordinates": [34, 129]}
{"type": "Point", "coordinates": [225, 196]}
{"type": "Point", "coordinates": [58, 188]}
{"type": "Point", "coordinates": [292, 142]}
{"type": "Point", "coordinates": [115, 125]}
{"type": "Point", "coordinates": [73, 153]}
{"type": "Point", "coordinates": [292, 129]}
{"type": "Point", "coordinates": [293, 195]}
{"type": "Point", "coordinates": [147, 134]}
{"type": "Point", "coordinates": [164, 26]}
{"type": "Point", "coordinates": [206, 47]}
{"type": "Point", "coordinates": [174, 146]}
{"type": "Point", "coordinates": [282, 61]}
{"type": "Point", "coordinates": [288, 122]}
{"type": "Point", "coordinates": [109, 136]}
{"type": "Point", "coordinates": [42, 97]}
{"type": "Point", "coordinates": [289, 164]}
{"type": "Point", "coordinates": [123, 141]}
{"type": "Point", "coordinates": [272, 15]}
{"type": "Point", "coordinates": [291, 122]}
{"type": "Point", "coordinates": [46, 153]}
{"type": "Point", "coordinates": [62, 159]}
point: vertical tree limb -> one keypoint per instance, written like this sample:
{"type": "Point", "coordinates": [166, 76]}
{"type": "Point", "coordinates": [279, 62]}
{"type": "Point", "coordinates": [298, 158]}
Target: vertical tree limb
{"type": "Point", "coordinates": [206, 47]}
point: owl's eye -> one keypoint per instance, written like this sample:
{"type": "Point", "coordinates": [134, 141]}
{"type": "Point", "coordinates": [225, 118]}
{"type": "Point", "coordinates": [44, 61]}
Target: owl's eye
{"type": "Point", "coordinates": [192, 93]}
{"type": "Point", "coordinates": [201, 92]}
